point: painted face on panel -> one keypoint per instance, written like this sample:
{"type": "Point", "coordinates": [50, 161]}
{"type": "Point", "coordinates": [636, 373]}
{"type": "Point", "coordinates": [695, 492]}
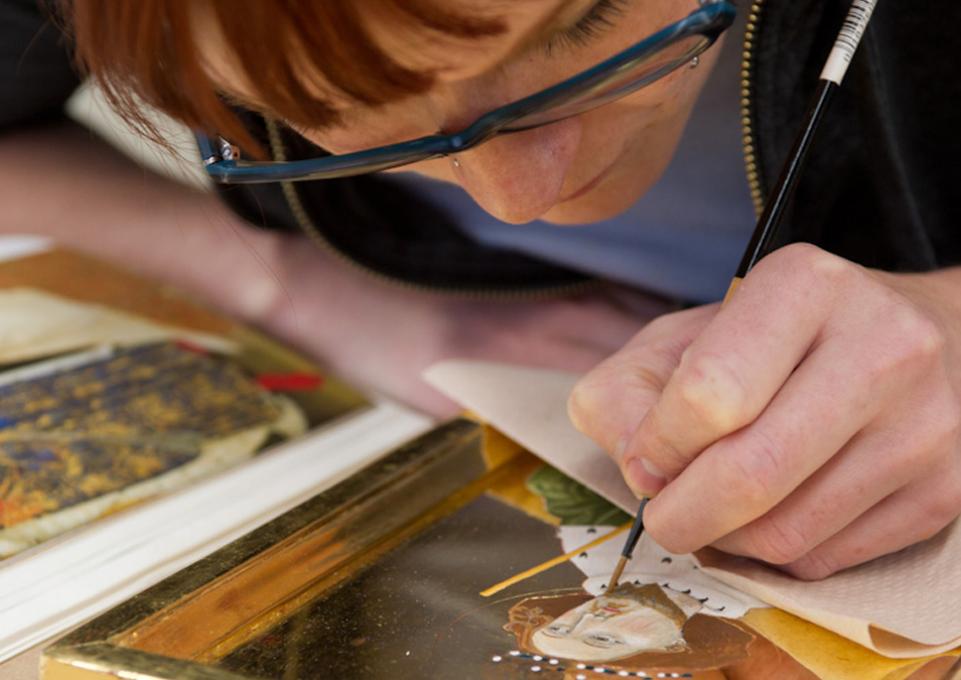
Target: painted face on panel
{"type": "Point", "coordinates": [630, 621]}
{"type": "Point", "coordinates": [634, 628]}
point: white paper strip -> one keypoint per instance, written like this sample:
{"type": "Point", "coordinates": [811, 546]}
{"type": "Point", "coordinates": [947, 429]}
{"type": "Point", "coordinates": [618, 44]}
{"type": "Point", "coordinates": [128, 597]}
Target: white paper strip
{"type": "Point", "coordinates": [653, 564]}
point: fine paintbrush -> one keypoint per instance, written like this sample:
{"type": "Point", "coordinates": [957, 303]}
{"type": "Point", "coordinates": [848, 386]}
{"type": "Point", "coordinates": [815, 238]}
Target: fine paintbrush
{"type": "Point", "coordinates": [831, 75]}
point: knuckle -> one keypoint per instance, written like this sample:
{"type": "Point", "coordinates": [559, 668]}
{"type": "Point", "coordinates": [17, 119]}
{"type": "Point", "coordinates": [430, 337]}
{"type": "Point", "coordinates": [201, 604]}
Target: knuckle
{"type": "Point", "coordinates": [799, 254]}
{"type": "Point", "coordinates": [777, 540]}
{"type": "Point", "coordinates": [583, 402]}
{"type": "Point", "coordinates": [712, 391]}
{"type": "Point", "coordinates": [813, 567]}
{"type": "Point", "coordinates": [658, 325]}
{"type": "Point", "coordinates": [934, 441]}
{"type": "Point", "coordinates": [664, 455]}
{"type": "Point", "coordinates": [939, 509]}
{"type": "Point", "coordinates": [660, 530]}
{"type": "Point", "coordinates": [940, 438]}
{"type": "Point", "coordinates": [661, 527]}
{"type": "Point", "coordinates": [812, 264]}
{"type": "Point", "coordinates": [951, 423]}
{"type": "Point", "coordinates": [641, 376]}
{"type": "Point", "coordinates": [754, 472]}
{"type": "Point", "coordinates": [920, 337]}
{"type": "Point", "coordinates": [912, 344]}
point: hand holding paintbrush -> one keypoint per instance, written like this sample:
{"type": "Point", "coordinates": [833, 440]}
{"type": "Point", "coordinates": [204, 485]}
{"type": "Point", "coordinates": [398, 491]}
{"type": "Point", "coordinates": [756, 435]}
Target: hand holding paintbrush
{"type": "Point", "coordinates": [831, 76]}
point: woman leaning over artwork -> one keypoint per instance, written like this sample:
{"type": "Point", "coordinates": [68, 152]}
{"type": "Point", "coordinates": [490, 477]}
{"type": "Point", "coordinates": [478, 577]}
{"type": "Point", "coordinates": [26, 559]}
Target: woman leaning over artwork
{"type": "Point", "coordinates": [812, 423]}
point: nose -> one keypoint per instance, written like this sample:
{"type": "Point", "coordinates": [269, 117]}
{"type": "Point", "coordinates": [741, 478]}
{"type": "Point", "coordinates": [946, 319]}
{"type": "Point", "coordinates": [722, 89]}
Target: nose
{"type": "Point", "coordinates": [520, 176]}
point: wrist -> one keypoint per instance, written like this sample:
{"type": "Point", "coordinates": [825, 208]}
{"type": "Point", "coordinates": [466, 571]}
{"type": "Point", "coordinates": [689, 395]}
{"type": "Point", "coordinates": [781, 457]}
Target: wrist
{"type": "Point", "coordinates": [305, 295]}
{"type": "Point", "coordinates": [210, 252]}
{"type": "Point", "coordinates": [244, 271]}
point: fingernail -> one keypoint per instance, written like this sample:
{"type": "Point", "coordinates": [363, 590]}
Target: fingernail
{"type": "Point", "coordinates": [643, 478]}
{"type": "Point", "coordinates": [653, 470]}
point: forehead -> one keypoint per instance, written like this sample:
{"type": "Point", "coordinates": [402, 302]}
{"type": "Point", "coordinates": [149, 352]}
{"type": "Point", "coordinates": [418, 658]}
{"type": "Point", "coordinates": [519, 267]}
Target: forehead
{"type": "Point", "coordinates": [621, 603]}
{"type": "Point", "coordinates": [453, 57]}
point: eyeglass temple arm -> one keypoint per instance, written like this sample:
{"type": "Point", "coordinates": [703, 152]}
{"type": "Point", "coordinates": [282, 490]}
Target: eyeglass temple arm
{"type": "Point", "coordinates": [207, 153]}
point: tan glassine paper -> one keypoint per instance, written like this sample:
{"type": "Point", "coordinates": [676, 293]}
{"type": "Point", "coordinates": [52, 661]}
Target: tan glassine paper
{"type": "Point", "coordinates": [904, 605]}
{"type": "Point", "coordinates": [530, 407]}
{"type": "Point", "coordinates": [36, 324]}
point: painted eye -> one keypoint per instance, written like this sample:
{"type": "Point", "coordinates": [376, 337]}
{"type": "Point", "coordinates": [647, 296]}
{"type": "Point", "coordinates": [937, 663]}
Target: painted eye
{"type": "Point", "coordinates": [558, 629]}
{"type": "Point", "coordinates": [602, 640]}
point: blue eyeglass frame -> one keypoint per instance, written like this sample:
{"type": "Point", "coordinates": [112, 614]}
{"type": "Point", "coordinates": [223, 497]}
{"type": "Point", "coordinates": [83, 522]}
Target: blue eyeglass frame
{"type": "Point", "coordinates": [224, 165]}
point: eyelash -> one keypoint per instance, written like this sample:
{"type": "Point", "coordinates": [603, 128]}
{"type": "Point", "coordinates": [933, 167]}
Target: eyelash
{"type": "Point", "coordinates": [599, 18]}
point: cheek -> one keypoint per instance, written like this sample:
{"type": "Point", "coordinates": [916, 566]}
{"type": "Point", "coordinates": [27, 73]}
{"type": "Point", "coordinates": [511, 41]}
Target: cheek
{"type": "Point", "coordinates": [369, 128]}
{"type": "Point", "coordinates": [651, 119]}
{"type": "Point", "coordinates": [646, 134]}
{"type": "Point", "coordinates": [651, 630]}
{"type": "Point", "coordinates": [358, 138]}
{"type": "Point", "coordinates": [439, 168]}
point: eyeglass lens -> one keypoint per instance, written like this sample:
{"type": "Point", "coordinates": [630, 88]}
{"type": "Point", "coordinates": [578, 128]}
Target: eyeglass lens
{"type": "Point", "coordinates": [629, 78]}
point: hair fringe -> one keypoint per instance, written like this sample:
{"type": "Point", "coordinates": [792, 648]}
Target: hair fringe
{"type": "Point", "coordinates": [146, 52]}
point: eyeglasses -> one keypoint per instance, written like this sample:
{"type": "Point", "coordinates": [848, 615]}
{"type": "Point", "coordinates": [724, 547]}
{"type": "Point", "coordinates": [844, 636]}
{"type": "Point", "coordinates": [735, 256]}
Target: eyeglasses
{"type": "Point", "coordinates": [641, 64]}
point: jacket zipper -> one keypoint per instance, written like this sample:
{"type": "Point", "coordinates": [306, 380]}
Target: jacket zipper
{"type": "Point", "coordinates": [747, 122]}
{"type": "Point", "coordinates": [279, 152]}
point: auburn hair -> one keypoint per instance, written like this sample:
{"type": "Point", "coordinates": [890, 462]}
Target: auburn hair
{"type": "Point", "coordinates": [147, 51]}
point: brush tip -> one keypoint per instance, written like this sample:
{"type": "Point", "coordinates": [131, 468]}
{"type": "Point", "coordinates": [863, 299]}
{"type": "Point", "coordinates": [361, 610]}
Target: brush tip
{"type": "Point", "coordinates": [618, 570]}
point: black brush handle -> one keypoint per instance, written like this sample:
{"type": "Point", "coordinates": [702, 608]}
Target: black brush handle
{"type": "Point", "coordinates": [768, 223]}
{"type": "Point", "coordinates": [636, 530]}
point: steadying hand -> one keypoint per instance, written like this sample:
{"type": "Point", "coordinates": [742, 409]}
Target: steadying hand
{"type": "Point", "coordinates": [814, 422]}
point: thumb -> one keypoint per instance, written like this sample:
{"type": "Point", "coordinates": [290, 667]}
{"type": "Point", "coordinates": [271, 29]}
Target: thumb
{"type": "Point", "coordinates": [610, 401]}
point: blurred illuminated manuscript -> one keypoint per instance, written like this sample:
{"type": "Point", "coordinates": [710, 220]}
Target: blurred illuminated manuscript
{"type": "Point", "coordinates": [92, 432]}
{"type": "Point", "coordinates": [101, 407]}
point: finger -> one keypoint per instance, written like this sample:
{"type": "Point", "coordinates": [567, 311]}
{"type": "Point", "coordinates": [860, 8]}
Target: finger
{"type": "Point", "coordinates": [913, 514]}
{"type": "Point", "coordinates": [743, 476]}
{"type": "Point", "coordinates": [609, 401]}
{"type": "Point", "coordinates": [732, 370]}
{"type": "Point", "coordinates": [873, 465]}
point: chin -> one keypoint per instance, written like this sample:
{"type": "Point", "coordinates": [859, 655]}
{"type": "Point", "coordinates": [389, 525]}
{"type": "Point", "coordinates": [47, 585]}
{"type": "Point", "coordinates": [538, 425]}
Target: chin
{"type": "Point", "coordinates": [596, 206]}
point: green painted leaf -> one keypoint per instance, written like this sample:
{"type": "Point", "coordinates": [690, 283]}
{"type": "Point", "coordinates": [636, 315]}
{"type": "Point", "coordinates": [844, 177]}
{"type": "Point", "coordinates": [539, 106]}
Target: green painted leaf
{"type": "Point", "coordinates": [572, 502]}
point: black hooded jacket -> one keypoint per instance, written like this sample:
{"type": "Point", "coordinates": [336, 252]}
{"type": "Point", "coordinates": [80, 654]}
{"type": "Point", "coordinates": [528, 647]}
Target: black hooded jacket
{"type": "Point", "coordinates": [879, 187]}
